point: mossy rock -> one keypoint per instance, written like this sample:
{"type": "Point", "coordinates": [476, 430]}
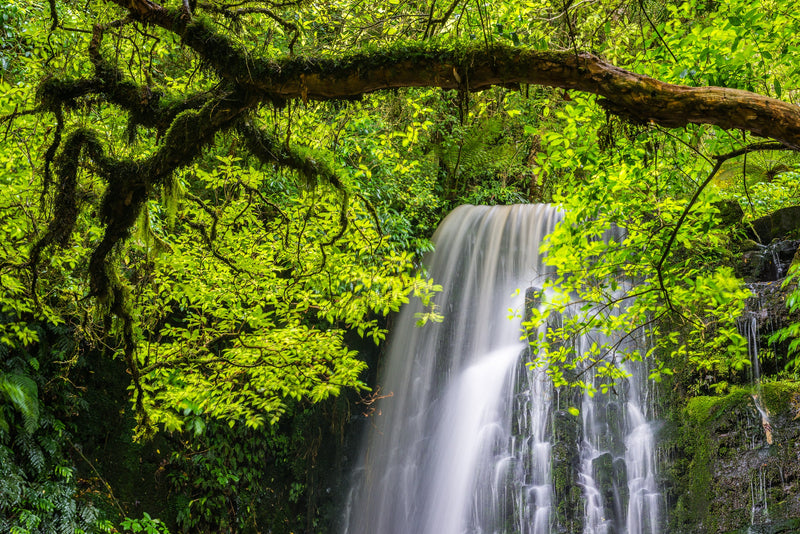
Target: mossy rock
{"type": "Point", "coordinates": [783, 397]}
{"type": "Point", "coordinates": [782, 224]}
{"type": "Point", "coordinates": [723, 452]}
{"type": "Point", "coordinates": [703, 409]}
{"type": "Point", "coordinates": [730, 212]}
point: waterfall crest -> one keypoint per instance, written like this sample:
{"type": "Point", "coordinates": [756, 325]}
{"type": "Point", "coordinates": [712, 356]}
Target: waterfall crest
{"type": "Point", "coordinates": [464, 436]}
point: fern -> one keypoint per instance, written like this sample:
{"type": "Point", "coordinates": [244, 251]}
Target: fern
{"type": "Point", "coordinates": [481, 152]}
{"type": "Point", "coordinates": [30, 449]}
{"type": "Point", "coordinates": [792, 331]}
{"type": "Point", "coordinates": [22, 393]}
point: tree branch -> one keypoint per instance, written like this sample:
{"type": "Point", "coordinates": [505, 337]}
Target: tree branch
{"type": "Point", "coordinates": [637, 97]}
{"type": "Point", "coordinates": [719, 161]}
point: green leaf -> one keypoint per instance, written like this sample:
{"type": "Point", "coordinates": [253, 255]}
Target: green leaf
{"type": "Point", "coordinates": [22, 392]}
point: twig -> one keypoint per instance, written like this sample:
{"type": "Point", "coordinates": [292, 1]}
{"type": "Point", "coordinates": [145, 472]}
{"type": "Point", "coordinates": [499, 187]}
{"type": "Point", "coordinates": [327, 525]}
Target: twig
{"type": "Point", "coordinates": [719, 161]}
{"type": "Point", "coordinates": [103, 480]}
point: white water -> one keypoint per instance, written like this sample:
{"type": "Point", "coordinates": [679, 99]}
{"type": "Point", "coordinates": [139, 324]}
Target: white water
{"type": "Point", "coordinates": [617, 455]}
{"type": "Point", "coordinates": [463, 444]}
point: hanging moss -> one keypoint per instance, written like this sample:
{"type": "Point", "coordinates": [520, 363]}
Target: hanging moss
{"type": "Point", "coordinates": [65, 209]}
{"type": "Point", "coordinates": [146, 106]}
{"type": "Point", "coordinates": [124, 197]}
{"type": "Point", "coordinates": [55, 93]}
{"type": "Point", "coordinates": [310, 164]}
{"type": "Point", "coordinates": [190, 132]}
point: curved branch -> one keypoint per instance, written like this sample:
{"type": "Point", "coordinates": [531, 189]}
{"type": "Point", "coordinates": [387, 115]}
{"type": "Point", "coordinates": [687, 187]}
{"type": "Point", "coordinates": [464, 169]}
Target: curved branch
{"type": "Point", "coordinates": [719, 161]}
{"type": "Point", "coordinates": [634, 96]}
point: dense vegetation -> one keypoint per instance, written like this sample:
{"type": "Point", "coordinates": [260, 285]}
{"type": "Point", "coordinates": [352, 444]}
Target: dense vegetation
{"type": "Point", "coordinates": [209, 210]}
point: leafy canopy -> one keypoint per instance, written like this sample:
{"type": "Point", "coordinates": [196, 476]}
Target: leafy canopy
{"type": "Point", "coordinates": [190, 184]}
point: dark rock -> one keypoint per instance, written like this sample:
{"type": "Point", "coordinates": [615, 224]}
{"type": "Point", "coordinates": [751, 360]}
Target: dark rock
{"type": "Point", "coordinates": [768, 303]}
{"type": "Point", "coordinates": [748, 245]}
{"type": "Point", "coordinates": [784, 252]}
{"type": "Point", "coordinates": [568, 496]}
{"type": "Point", "coordinates": [732, 479]}
{"type": "Point", "coordinates": [791, 526]}
{"type": "Point", "coordinates": [765, 263]}
{"type": "Point", "coordinates": [730, 212]}
{"type": "Point", "coordinates": [782, 224]}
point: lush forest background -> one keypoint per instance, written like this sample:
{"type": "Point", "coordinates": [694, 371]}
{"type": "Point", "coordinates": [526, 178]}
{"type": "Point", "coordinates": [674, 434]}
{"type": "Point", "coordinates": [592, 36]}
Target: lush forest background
{"type": "Point", "coordinates": [209, 212]}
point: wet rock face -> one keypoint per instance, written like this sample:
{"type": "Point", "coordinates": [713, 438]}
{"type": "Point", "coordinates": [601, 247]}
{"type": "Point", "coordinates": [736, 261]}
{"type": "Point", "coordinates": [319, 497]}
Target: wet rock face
{"type": "Point", "coordinates": [728, 478]}
{"type": "Point", "coordinates": [753, 486]}
{"type": "Point", "coordinates": [568, 494]}
{"type": "Point", "coordinates": [778, 225]}
{"type": "Point", "coordinates": [767, 263]}
{"type": "Point", "coordinates": [767, 304]}
{"type": "Point", "coordinates": [790, 526]}
{"type": "Point", "coordinates": [765, 313]}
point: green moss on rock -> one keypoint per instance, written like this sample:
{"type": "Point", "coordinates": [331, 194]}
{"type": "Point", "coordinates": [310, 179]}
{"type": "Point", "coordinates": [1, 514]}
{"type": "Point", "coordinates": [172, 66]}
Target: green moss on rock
{"type": "Point", "coordinates": [703, 409]}
{"type": "Point", "coordinates": [721, 451]}
{"type": "Point", "coordinates": [782, 396]}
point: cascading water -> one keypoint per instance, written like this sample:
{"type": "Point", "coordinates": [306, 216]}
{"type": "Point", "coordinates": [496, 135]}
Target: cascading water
{"type": "Point", "coordinates": [617, 460]}
{"type": "Point", "coordinates": [463, 444]}
{"type": "Point", "coordinates": [755, 321]}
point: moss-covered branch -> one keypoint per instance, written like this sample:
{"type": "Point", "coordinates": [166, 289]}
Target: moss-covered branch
{"type": "Point", "coordinates": [466, 66]}
{"type": "Point", "coordinates": [269, 149]}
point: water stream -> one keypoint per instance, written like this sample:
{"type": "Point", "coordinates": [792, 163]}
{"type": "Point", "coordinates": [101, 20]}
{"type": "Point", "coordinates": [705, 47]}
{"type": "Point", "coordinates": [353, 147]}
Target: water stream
{"type": "Point", "coordinates": [465, 436]}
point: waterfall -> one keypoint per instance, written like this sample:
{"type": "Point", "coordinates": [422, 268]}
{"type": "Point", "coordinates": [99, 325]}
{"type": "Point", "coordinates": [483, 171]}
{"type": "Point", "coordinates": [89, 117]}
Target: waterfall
{"type": "Point", "coordinates": [464, 439]}
{"type": "Point", "coordinates": [755, 317]}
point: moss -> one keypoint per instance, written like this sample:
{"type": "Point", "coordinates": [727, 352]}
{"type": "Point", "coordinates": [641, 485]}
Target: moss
{"type": "Point", "coordinates": [700, 475]}
{"type": "Point", "coordinates": [781, 396]}
{"type": "Point", "coordinates": [216, 48]}
{"type": "Point", "coordinates": [693, 476]}
{"type": "Point", "coordinates": [703, 409]}
{"type": "Point", "coordinates": [65, 210]}
{"type": "Point", "coordinates": [53, 93]}
{"type": "Point", "coordinates": [719, 447]}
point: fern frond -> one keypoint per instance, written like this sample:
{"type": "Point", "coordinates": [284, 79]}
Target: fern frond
{"type": "Point", "coordinates": [28, 447]}
{"type": "Point", "coordinates": [23, 394]}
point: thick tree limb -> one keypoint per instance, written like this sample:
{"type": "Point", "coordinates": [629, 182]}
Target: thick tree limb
{"type": "Point", "coordinates": [637, 97]}
{"type": "Point", "coordinates": [634, 96]}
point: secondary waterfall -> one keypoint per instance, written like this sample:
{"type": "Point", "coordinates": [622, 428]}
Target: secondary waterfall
{"type": "Point", "coordinates": [464, 436]}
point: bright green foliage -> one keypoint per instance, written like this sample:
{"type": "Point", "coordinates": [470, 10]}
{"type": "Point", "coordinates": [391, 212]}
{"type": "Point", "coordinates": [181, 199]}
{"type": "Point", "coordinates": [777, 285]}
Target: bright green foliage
{"type": "Point", "coordinates": [238, 292]}
{"type": "Point", "coordinates": [377, 141]}
{"type": "Point", "coordinates": [768, 195]}
{"type": "Point", "coordinates": [791, 333]}
{"type": "Point", "coordinates": [244, 307]}
{"type": "Point", "coordinates": [145, 525]}
{"type": "Point", "coordinates": [614, 275]}
{"type": "Point", "coordinates": [21, 392]}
